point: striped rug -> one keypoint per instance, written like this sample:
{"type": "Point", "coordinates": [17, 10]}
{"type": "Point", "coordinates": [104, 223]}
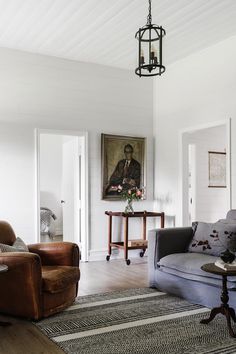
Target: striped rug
{"type": "Point", "coordinates": [137, 321]}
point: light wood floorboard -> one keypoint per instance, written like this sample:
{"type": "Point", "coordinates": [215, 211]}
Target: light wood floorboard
{"type": "Point", "coordinates": [96, 277]}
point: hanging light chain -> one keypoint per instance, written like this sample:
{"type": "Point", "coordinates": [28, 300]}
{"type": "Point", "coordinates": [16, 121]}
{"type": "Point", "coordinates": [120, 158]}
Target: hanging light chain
{"type": "Point", "coordinates": [149, 18]}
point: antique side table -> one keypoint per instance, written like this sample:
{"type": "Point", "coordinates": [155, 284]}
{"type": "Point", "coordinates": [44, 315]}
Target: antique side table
{"type": "Point", "coordinates": [224, 308]}
{"type": "Point", "coordinates": [125, 245]}
{"type": "Point", "coordinates": [4, 268]}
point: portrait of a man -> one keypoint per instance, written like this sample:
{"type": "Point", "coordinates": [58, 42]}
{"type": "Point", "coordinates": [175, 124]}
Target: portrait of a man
{"type": "Point", "coordinates": [123, 164]}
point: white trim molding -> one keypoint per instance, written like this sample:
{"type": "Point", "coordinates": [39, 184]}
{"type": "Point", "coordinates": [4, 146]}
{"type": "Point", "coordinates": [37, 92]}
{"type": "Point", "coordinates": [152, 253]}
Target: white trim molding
{"type": "Point", "coordinates": [85, 192]}
{"type": "Point", "coordinates": [227, 123]}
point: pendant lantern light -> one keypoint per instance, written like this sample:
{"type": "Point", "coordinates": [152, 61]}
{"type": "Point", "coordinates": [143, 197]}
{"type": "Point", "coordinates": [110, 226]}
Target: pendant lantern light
{"type": "Point", "coordinates": [150, 39]}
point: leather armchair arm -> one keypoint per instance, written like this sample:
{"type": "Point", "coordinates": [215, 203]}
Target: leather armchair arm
{"type": "Point", "coordinates": [21, 285]}
{"type": "Point", "coordinates": [57, 253]}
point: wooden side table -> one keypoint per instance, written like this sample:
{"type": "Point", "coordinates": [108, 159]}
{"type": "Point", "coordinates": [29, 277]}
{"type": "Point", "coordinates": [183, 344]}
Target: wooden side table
{"type": "Point", "coordinates": [4, 268]}
{"type": "Point", "coordinates": [124, 245]}
{"type": "Point", "coordinates": [224, 308]}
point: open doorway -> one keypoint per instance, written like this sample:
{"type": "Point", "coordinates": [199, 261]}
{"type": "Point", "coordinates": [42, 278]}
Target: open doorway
{"type": "Point", "coordinates": [62, 188]}
{"type": "Point", "coordinates": [200, 200]}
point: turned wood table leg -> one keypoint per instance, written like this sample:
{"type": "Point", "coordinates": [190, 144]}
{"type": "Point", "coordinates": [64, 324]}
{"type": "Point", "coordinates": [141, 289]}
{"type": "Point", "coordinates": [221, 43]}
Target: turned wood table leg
{"type": "Point", "coordinates": [224, 309]}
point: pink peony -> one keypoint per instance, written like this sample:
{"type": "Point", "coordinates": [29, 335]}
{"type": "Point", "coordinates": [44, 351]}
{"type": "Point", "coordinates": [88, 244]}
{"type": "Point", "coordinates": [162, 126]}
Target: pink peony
{"type": "Point", "coordinates": [139, 193]}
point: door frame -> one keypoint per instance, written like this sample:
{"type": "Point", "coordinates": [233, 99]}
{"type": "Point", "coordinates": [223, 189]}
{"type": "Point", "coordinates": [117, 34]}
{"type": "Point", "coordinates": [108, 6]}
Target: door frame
{"type": "Point", "coordinates": [84, 195]}
{"type": "Point", "coordinates": [182, 201]}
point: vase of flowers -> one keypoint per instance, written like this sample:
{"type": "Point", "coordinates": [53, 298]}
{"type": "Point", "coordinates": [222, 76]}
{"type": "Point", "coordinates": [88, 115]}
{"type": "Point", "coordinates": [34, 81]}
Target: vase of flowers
{"type": "Point", "coordinates": [130, 195]}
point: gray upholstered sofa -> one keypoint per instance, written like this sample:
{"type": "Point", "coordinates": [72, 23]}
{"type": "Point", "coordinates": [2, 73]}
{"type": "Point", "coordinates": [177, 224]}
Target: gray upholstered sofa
{"type": "Point", "coordinates": [173, 269]}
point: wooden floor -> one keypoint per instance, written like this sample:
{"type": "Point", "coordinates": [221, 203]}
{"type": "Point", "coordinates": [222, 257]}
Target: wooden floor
{"type": "Point", "coordinates": [96, 277]}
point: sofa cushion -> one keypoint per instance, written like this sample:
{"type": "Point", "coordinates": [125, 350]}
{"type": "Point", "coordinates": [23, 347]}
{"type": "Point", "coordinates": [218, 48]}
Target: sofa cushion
{"type": "Point", "coordinates": [188, 266]}
{"type": "Point", "coordinates": [18, 246]}
{"type": "Point", "coordinates": [57, 278]}
{"type": "Point", "coordinates": [213, 238]}
{"type": "Point", "coordinates": [231, 214]}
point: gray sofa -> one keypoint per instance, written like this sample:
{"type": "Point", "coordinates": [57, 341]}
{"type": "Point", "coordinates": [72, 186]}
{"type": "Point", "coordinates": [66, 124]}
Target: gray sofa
{"type": "Point", "coordinates": [174, 270]}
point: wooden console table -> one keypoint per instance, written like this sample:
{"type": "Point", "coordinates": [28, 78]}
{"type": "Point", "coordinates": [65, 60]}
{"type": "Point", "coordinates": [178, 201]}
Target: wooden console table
{"type": "Point", "coordinates": [124, 245]}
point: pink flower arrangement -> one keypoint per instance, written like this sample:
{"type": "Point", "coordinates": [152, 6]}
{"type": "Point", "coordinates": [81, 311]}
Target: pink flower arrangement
{"type": "Point", "coordinates": [131, 194]}
{"type": "Point", "coordinates": [138, 193]}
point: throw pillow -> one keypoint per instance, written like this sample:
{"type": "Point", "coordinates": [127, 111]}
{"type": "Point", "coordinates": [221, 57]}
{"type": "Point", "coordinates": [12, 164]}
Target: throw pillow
{"type": "Point", "coordinates": [213, 238]}
{"type": "Point", "coordinates": [18, 246]}
{"type": "Point", "coordinates": [227, 221]}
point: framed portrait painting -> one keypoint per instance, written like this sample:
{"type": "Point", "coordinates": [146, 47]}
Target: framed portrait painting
{"type": "Point", "coordinates": [217, 169]}
{"type": "Point", "coordinates": [123, 164]}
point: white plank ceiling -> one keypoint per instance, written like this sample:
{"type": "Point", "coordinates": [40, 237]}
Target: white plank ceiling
{"type": "Point", "coordinates": [102, 31]}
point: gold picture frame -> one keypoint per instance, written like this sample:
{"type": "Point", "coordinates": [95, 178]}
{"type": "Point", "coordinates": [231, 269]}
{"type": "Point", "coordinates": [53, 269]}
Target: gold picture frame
{"type": "Point", "coordinates": [117, 152]}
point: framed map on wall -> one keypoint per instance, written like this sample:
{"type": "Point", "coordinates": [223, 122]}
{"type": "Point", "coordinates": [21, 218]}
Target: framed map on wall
{"type": "Point", "coordinates": [123, 164]}
{"type": "Point", "coordinates": [217, 169]}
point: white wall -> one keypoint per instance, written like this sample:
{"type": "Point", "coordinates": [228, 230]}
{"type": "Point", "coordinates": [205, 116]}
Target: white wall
{"type": "Point", "coordinates": [51, 176]}
{"type": "Point", "coordinates": [17, 192]}
{"type": "Point", "coordinates": [210, 203]}
{"type": "Point", "coordinates": [50, 93]}
{"type": "Point", "coordinates": [197, 90]}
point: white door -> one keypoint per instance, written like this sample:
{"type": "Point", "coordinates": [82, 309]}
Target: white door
{"type": "Point", "coordinates": [70, 190]}
{"type": "Point", "coordinates": [192, 183]}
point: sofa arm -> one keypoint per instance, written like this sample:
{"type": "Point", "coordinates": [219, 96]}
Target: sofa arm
{"type": "Point", "coordinates": [162, 242]}
{"type": "Point", "coordinates": [57, 253]}
{"type": "Point", "coordinates": [21, 285]}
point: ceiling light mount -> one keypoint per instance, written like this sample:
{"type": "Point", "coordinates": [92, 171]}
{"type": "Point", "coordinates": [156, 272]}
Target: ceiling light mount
{"type": "Point", "coordinates": [150, 39]}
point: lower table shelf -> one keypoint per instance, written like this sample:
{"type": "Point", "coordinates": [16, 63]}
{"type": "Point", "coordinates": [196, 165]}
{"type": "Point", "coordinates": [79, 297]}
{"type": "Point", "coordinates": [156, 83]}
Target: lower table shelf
{"type": "Point", "coordinates": [122, 245]}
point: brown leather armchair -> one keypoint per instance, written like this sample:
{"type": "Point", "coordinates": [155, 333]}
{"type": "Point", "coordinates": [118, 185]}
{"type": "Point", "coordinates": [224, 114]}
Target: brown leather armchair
{"type": "Point", "coordinates": [38, 283]}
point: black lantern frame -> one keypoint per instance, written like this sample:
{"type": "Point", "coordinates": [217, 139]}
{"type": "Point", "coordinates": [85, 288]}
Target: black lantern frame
{"type": "Point", "coordinates": [150, 39]}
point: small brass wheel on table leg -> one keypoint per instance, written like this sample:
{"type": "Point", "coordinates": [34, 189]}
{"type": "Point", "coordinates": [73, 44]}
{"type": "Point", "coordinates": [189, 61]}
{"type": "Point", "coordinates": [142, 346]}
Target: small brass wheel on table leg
{"type": "Point", "coordinates": [108, 257]}
{"type": "Point", "coordinates": [128, 261]}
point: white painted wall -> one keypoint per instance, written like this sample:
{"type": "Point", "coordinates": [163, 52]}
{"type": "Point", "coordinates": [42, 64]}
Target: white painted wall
{"type": "Point", "coordinates": [210, 203]}
{"type": "Point", "coordinates": [51, 176]}
{"type": "Point", "coordinates": [197, 90]}
{"type": "Point", "coordinates": [17, 192]}
{"type": "Point", "coordinates": [50, 93]}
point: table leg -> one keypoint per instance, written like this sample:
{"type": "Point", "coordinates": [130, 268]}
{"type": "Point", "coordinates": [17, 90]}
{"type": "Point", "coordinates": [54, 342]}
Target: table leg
{"type": "Point", "coordinates": [144, 227]}
{"type": "Point", "coordinates": [109, 237]}
{"type": "Point", "coordinates": [126, 232]}
{"type": "Point", "coordinates": [232, 314]}
{"type": "Point", "coordinates": [224, 309]}
{"type": "Point", "coordinates": [162, 220]}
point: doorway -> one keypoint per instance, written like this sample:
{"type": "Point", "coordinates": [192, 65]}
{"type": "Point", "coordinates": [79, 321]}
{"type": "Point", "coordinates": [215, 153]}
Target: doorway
{"type": "Point", "coordinates": [62, 205]}
{"type": "Point", "coordinates": [200, 201]}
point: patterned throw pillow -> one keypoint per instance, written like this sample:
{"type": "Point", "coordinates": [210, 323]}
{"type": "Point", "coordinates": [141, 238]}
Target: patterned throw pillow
{"type": "Point", "coordinates": [213, 238]}
{"type": "Point", "coordinates": [18, 246]}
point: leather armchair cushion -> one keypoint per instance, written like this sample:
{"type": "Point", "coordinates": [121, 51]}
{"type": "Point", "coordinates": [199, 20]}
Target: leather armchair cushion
{"type": "Point", "coordinates": [57, 278]}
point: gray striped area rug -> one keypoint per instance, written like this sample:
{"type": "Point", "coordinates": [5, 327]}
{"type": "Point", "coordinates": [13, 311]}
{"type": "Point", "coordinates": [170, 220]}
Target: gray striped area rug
{"type": "Point", "coordinates": [137, 321]}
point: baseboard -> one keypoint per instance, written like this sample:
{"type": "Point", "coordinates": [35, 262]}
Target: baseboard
{"type": "Point", "coordinates": [100, 254]}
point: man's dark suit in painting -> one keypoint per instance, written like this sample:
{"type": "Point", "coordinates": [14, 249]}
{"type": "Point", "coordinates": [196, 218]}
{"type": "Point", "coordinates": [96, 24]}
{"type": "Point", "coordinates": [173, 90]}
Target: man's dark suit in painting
{"type": "Point", "coordinates": [126, 174]}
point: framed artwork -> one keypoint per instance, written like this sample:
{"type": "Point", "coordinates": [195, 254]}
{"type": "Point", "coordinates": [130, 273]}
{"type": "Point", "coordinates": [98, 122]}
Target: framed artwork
{"type": "Point", "coordinates": [217, 169]}
{"type": "Point", "coordinates": [123, 164]}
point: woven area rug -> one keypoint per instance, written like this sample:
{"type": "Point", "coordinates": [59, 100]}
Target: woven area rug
{"type": "Point", "coordinates": [137, 321]}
